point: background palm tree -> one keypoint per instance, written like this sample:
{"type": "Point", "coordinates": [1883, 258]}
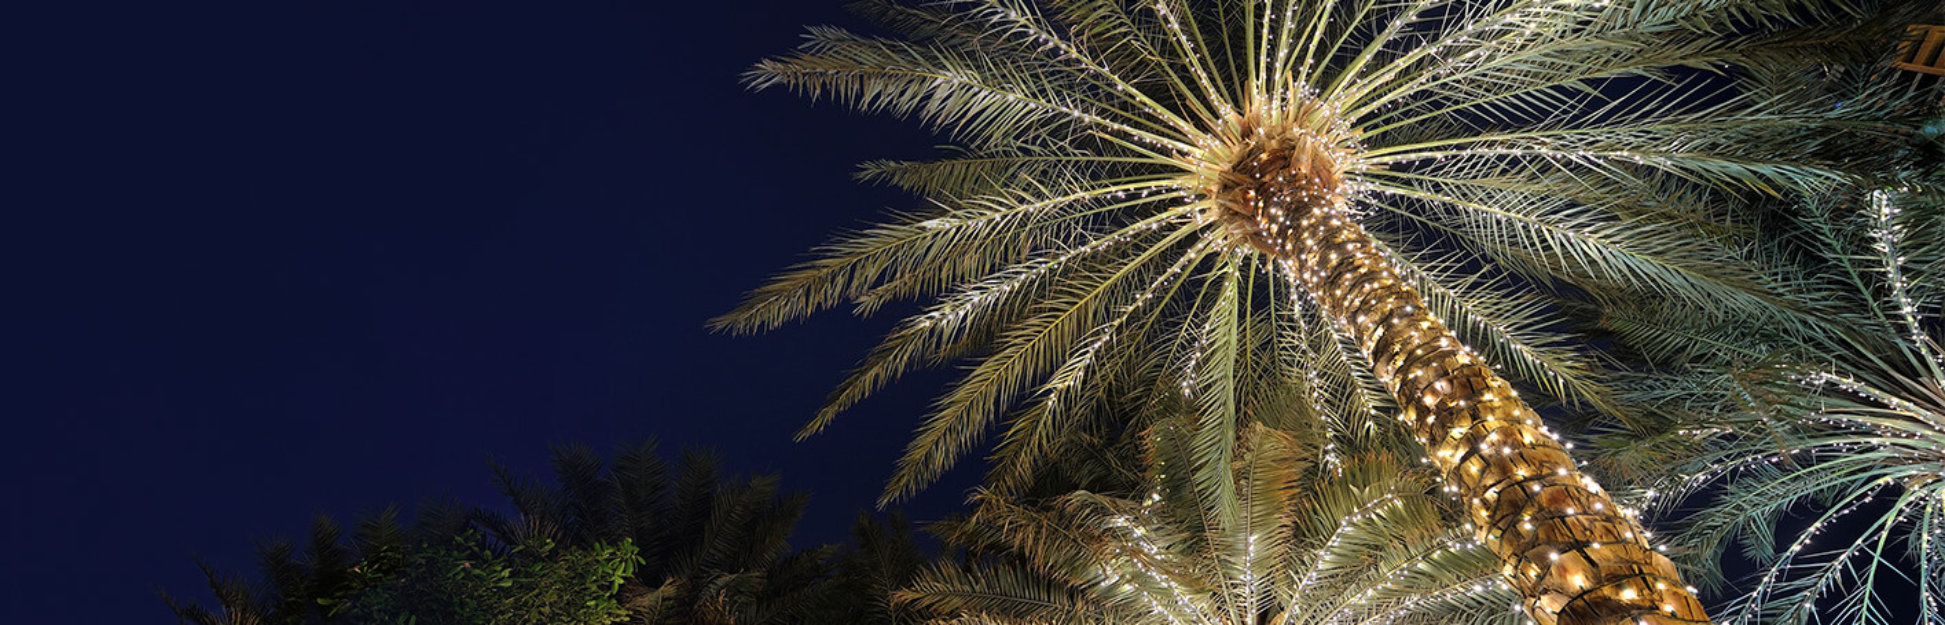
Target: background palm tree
{"type": "Point", "coordinates": [439, 571]}
{"type": "Point", "coordinates": [293, 581]}
{"type": "Point", "coordinates": [1180, 197]}
{"type": "Point", "coordinates": [1842, 420]}
{"type": "Point", "coordinates": [1361, 540]}
{"type": "Point", "coordinates": [713, 550]}
{"type": "Point", "coordinates": [882, 558]}
{"type": "Point", "coordinates": [699, 549]}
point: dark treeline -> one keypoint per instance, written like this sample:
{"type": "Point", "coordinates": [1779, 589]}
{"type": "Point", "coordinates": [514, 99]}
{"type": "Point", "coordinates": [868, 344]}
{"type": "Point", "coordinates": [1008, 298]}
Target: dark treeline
{"type": "Point", "coordinates": [634, 538]}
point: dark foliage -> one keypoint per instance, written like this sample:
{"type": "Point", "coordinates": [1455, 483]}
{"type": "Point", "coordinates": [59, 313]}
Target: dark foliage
{"type": "Point", "coordinates": [628, 539]}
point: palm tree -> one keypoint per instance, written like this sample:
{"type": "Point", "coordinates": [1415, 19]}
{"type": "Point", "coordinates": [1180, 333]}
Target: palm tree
{"type": "Point", "coordinates": [294, 581]}
{"type": "Point", "coordinates": [1174, 196]}
{"type": "Point", "coordinates": [432, 573]}
{"type": "Point", "coordinates": [714, 551]}
{"type": "Point", "coordinates": [1296, 543]}
{"type": "Point", "coordinates": [1843, 420]}
{"type": "Point", "coordinates": [711, 550]}
{"type": "Point", "coordinates": [882, 558]}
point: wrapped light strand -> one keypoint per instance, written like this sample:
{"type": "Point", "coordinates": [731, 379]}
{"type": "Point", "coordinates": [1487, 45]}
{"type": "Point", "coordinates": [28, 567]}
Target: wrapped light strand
{"type": "Point", "coordinates": [1562, 540]}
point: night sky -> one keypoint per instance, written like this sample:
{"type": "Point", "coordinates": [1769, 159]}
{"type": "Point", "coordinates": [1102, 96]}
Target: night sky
{"type": "Point", "coordinates": [267, 260]}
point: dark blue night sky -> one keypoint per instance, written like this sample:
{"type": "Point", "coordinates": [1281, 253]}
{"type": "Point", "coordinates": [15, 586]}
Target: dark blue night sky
{"type": "Point", "coordinates": [272, 259]}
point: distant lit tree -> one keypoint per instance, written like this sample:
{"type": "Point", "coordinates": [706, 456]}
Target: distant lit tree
{"type": "Point", "coordinates": [478, 582]}
{"type": "Point", "coordinates": [390, 576]}
{"type": "Point", "coordinates": [714, 551]}
{"type": "Point", "coordinates": [606, 542]}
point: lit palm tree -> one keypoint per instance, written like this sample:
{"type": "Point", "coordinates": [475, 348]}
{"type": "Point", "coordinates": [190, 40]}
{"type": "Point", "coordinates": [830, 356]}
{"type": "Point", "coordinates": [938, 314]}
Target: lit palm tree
{"type": "Point", "coordinates": [1174, 196]}
{"type": "Point", "coordinates": [1295, 543]}
{"type": "Point", "coordinates": [1843, 420]}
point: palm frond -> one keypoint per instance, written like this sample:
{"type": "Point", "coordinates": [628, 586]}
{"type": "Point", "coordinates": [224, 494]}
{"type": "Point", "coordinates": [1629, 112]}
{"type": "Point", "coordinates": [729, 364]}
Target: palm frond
{"type": "Point", "coordinates": [1292, 540]}
{"type": "Point", "coordinates": [1581, 146]}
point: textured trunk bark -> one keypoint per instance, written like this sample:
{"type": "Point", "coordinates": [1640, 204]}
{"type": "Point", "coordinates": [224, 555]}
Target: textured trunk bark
{"type": "Point", "coordinates": [1576, 557]}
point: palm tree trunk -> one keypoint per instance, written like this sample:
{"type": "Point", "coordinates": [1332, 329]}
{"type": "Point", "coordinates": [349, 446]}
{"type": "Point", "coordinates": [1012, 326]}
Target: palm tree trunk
{"type": "Point", "coordinates": [1577, 557]}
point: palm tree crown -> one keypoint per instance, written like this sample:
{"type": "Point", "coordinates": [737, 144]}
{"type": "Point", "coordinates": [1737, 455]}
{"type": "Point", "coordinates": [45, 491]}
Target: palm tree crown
{"type": "Point", "coordinates": [1109, 199]}
{"type": "Point", "coordinates": [1169, 196]}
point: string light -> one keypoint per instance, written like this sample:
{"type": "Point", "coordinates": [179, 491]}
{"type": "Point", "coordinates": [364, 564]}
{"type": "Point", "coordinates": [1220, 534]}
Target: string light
{"type": "Point", "coordinates": [1277, 170]}
{"type": "Point", "coordinates": [1279, 186]}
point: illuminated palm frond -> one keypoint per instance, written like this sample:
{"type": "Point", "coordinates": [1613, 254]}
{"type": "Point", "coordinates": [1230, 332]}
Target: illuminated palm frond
{"type": "Point", "coordinates": [1841, 419]}
{"type": "Point", "coordinates": [1297, 540]}
{"type": "Point", "coordinates": [1075, 241]}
